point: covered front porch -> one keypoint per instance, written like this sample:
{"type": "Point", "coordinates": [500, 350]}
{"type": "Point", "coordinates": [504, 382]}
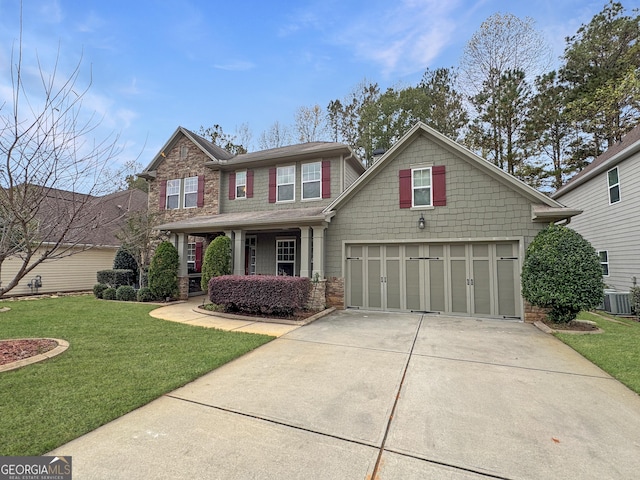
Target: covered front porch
{"type": "Point", "coordinates": [276, 242]}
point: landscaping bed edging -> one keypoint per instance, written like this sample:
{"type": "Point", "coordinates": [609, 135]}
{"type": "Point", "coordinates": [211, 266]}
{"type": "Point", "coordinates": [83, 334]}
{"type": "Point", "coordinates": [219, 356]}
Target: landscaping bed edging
{"type": "Point", "coordinates": [233, 316]}
{"type": "Point", "coordinates": [62, 346]}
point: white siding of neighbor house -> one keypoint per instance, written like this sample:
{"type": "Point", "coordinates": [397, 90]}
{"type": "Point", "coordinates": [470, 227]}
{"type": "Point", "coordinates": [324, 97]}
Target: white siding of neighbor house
{"type": "Point", "coordinates": [69, 274]}
{"type": "Point", "coordinates": [614, 228]}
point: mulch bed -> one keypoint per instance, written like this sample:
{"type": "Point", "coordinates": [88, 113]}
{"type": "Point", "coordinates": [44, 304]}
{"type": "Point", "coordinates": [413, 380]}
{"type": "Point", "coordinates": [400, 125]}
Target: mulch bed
{"type": "Point", "coordinates": [14, 350]}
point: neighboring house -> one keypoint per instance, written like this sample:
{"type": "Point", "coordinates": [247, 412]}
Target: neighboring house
{"type": "Point", "coordinates": [90, 245]}
{"type": "Point", "coordinates": [429, 227]}
{"type": "Point", "coordinates": [608, 191]}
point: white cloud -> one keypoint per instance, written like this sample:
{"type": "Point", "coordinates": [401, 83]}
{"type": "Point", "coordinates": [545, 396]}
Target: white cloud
{"type": "Point", "coordinates": [235, 66]}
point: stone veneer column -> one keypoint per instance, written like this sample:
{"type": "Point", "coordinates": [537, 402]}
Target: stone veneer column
{"type": "Point", "coordinates": [318, 252]}
{"type": "Point", "coordinates": [238, 252]}
{"type": "Point", "coordinates": [304, 252]}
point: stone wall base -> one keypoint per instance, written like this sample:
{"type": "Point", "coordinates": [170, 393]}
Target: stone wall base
{"type": "Point", "coordinates": [534, 314]}
{"type": "Point", "coordinates": [335, 292]}
{"type": "Point", "coordinates": [317, 296]}
{"type": "Point", "coordinates": [183, 286]}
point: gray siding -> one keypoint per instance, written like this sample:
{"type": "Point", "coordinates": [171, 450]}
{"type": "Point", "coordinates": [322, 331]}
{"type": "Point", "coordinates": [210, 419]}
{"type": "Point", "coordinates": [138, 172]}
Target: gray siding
{"type": "Point", "coordinates": [350, 174]}
{"type": "Point", "coordinates": [260, 200]}
{"type": "Point", "coordinates": [478, 207]}
{"type": "Point", "coordinates": [266, 252]}
{"type": "Point", "coordinates": [615, 228]}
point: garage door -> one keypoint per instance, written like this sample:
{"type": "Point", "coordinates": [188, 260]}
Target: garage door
{"type": "Point", "coordinates": [479, 279]}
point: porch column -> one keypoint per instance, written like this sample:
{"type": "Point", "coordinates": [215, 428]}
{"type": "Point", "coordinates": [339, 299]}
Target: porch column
{"type": "Point", "coordinates": [238, 252]}
{"type": "Point", "coordinates": [318, 251]}
{"type": "Point", "coordinates": [182, 240]}
{"type": "Point", "coordinates": [305, 261]}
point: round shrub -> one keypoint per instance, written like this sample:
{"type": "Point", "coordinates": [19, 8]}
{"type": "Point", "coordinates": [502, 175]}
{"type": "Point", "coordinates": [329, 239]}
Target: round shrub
{"type": "Point", "coordinates": [163, 271]}
{"type": "Point", "coordinates": [109, 294]}
{"type": "Point", "coordinates": [217, 260]}
{"type": "Point", "coordinates": [562, 272]}
{"type": "Point", "coordinates": [126, 293]}
{"type": "Point", "coordinates": [98, 288]}
{"type": "Point", "coordinates": [145, 295]}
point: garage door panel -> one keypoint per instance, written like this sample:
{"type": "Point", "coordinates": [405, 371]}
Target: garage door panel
{"type": "Point", "coordinates": [374, 272]}
{"type": "Point", "coordinates": [459, 286]}
{"type": "Point", "coordinates": [412, 275]}
{"type": "Point", "coordinates": [481, 287]}
{"type": "Point", "coordinates": [436, 287]}
{"type": "Point", "coordinates": [392, 282]}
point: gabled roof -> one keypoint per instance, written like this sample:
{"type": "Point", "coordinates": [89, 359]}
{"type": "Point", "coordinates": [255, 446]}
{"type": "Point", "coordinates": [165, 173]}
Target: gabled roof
{"type": "Point", "coordinates": [615, 154]}
{"type": "Point", "coordinates": [214, 152]}
{"type": "Point", "coordinates": [553, 210]}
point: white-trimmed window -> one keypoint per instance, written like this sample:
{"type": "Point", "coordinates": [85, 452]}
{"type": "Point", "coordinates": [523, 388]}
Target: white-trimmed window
{"type": "Point", "coordinates": [603, 256]}
{"type": "Point", "coordinates": [190, 192]}
{"type": "Point", "coordinates": [191, 257]}
{"type": "Point", "coordinates": [241, 184]}
{"type": "Point", "coordinates": [614, 185]}
{"type": "Point", "coordinates": [311, 181]}
{"type": "Point", "coordinates": [286, 184]}
{"type": "Point", "coordinates": [285, 256]}
{"type": "Point", "coordinates": [173, 193]}
{"type": "Point", "coordinates": [421, 187]}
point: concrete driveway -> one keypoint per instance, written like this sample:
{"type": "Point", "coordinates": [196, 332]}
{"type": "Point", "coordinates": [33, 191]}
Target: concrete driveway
{"type": "Point", "coordinates": [361, 395]}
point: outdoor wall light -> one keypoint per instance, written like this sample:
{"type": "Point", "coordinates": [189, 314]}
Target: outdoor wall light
{"type": "Point", "coordinates": [421, 223]}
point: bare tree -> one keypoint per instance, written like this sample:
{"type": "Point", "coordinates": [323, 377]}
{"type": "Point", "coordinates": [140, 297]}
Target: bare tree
{"type": "Point", "coordinates": [311, 124]}
{"type": "Point", "coordinates": [50, 167]}
{"type": "Point", "coordinates": [277, 135]}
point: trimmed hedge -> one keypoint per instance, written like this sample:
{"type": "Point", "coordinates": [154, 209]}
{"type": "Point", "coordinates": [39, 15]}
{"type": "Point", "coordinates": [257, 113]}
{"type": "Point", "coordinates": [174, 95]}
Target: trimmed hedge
{"type": "Point", "coordinates": [145, 295]}
{"type": "Point", "coordinates": [109, 294]}
{"type": "Point", "coordinates": [217, 260]}
{"type": "Point", "coordinates": [98, 288]}
{"type": "Point", "coordinates": [114, 278]}
{"type": "Point", "coordinates": [263, 294]}
{"type": "Point", "coordinates": [126, 293]}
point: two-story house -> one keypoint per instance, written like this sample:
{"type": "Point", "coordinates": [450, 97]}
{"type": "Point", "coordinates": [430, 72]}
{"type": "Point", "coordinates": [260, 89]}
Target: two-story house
{"type": "Point", "coordinates": [608, 191]}
{"type": "Point", "coordinates": [270, 203]}
{"type": "Point", "coordinates": [429, 227]}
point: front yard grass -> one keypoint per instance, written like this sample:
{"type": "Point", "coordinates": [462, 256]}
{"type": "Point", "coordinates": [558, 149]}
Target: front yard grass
{"type": "Point", "coordinates": [119, 359]}
{"type": "Point", "coordinates": [616, 351]}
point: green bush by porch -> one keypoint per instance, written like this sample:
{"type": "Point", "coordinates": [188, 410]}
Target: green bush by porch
{"type": "Point", "coordinates": [217, 260]}
{"type": "Point", "coordinates": [163, 272]}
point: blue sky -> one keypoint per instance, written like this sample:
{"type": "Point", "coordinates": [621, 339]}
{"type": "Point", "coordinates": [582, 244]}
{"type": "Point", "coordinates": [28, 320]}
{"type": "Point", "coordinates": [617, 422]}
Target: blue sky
{"type": "Point", "coordinates": [159, 64]}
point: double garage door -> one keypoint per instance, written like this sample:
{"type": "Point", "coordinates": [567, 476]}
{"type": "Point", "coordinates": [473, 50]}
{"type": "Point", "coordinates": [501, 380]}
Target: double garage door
{"type": "Point", "coordinates": [480, 279]}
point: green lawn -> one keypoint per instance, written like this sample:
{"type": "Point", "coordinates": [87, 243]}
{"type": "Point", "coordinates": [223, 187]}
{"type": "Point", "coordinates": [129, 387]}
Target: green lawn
{"type": "Point", "coordinates": [616, 351]}
{"type": "Point", "coordinates": [119, 358]}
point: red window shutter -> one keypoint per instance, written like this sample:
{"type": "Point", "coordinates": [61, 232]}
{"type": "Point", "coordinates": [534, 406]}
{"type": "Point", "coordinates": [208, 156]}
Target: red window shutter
{"type": "Point", "coordinates": [326, 179]}
{"type": "Point", "coordinates": [232, 185]}
{"type": "Point", "coordinates": [405, 188]}
{"type": "Point", "coordinates": [198, 257]}
{"type": "Point", "coordinates": [272, 185]}
{"type": "Point", "coordinates": [249, 183]}
{"type": "Point", "coordinates": [200, 203]}
{"type": "Point", "coordinates": [162, 200]}
{"type": "Point", "coordinates": [439, 186]}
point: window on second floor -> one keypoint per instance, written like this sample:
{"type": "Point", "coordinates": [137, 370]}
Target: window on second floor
{"type": "Point", "coordinates": [286, 185]}
{"type": "Point", "coordinates": [190, 192]}
{"type": "Point", "coordinates": [603, 256]}
{"type": "Point", "coordinates": [173, 194]}
{"type": "Point", "coordinates": [241, 184]}
{"type": "Point", "coordinates": [614, 185]}
{"type": "Point", "coordinates": [311, 181]}
{"type": "Point", "coordinates": [421, 187]}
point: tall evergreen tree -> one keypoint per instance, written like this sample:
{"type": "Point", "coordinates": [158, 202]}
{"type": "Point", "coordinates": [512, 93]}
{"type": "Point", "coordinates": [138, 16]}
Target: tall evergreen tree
{"type": "Point", "coordinates": [601, 72]}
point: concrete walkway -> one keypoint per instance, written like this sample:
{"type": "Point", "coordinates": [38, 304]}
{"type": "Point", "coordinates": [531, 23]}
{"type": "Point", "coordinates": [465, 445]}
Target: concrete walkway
{"type": "Point", "coordinates": [186, 312]}
{"type": "Point", "coordinates": [362, 395]}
